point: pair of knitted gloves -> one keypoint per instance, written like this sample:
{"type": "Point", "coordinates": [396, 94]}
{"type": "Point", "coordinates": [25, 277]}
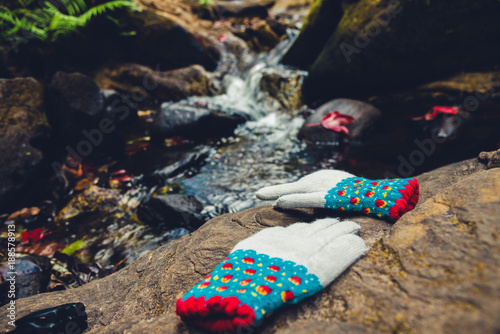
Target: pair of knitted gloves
{"type": "Point", "coordinates": [283, 265]}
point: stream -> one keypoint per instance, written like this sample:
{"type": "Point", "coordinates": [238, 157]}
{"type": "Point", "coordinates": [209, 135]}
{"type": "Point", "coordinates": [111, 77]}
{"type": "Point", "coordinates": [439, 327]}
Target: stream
{"type": "Point", "coordinates": [223, 175]}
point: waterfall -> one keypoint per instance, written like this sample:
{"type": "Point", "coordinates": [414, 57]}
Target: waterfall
{"type": "Point", "coordinates": [243, 94]}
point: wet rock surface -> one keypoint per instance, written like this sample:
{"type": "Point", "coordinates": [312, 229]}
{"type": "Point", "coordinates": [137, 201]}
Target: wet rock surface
{"type": "Point", "coordinates": [285, 87]}
{"type": "Point", "coordinates": [94, 200]}
{"type": "Point", "coordinates": [435, 270]}
{"type": "Point", "coordinates": [22, 122]}
{"type": "Point", "coordinates": [196, 120]}
{"type": "Point", "coordinates": [177, 210]}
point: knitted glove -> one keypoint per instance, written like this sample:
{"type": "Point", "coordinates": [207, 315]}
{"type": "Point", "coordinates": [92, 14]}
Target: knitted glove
{"type": "Point", "coordinates": [275, 267]}
{"type": "Point", "coordinates": [338, 190]}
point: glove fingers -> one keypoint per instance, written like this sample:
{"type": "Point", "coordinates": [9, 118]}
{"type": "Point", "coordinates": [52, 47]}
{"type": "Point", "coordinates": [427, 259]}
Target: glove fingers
{"type": "Point", "coordinates": [312, 200]}
{"type": "Point", "coordinates": [336, 257]}
{"type": "Point", "coordinates": [308, 229]}
{"type": "Point", "coordinates": [297, 228]}
{"type": "Point", "coordinates": [317, 227]}
{"type": "Point", "coordinates": [335, 231]}
{"type": "Point", "coordinates": [318, 181]}
{"type": "Point", "coordinates": [270, 231]}
{"type": "Point", "coordinates": [274, 192]}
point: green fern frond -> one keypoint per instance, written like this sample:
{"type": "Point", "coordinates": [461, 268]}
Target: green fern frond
{"type": "Point", "coordinates": [15, 28]}
{"type": "Point", "coordinates": [75, 7]}
{"type": "Point", "coordinates": [25, 3]}
{"type": "Point", "coordinates": [6, 15]}
{"type": "Point", "coordinates": [50, 22]}
{"type": "Point", "coordinates": [62, 24]}
{"type": "Point", "coordinates": [109, 6]}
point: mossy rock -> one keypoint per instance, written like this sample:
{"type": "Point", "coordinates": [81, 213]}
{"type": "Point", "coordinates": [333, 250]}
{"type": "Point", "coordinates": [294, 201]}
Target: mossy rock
{"type": "Point", "coordinates": [384, 44]}
{"type": "Point", "coordinates": [317, 27]}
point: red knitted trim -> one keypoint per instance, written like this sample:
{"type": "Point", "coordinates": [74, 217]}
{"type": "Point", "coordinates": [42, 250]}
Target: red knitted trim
{"type": "Point", "coordinates": [216, 314]}
{"type": "Point", "coordinates": [410, 195]}
{"type": "Point", "coordinates": [412, 202]}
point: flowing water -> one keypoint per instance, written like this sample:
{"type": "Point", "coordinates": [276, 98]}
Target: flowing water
{"type": "Point", "coordinates": [263, 151]}
{"type": "Point", "coordinates": [116, 226]}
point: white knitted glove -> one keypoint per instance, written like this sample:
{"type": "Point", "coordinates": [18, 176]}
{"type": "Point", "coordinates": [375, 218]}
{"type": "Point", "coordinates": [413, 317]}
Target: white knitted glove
{"type": "Point", "coordinates": [308, 192]}
{"type": "Point", "coordinates": [275, 267]}
{"type": "Point", "coordinates": [339, 190]}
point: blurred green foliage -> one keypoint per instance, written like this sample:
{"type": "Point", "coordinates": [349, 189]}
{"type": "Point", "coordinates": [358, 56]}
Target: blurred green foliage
{"type": "Point", "coordinates": [75, 246]}
{"type": "Point", "coordinates": [48, 20]}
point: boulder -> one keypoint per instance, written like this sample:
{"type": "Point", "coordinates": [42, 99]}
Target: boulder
{"type": "Point", "coordinates": [173, 210]}
{"type": "Point", "coordinates": [33, 276]}
{"type": "Point", "coordinates": [75, 102]}
{"type": "Point", "coordinates": [160, 41]}
{"type": "Point", "coordinates": [284, 86]}
{"type": "Point", "coordinates": [196, 120]}
{"type": "Point", "coordinates": [434, 271]}
{"type": "Point", "coordinates": [365, 116]}
{"type": "Point", "coordinates": [89, 120]}
{"type": "Point", "coordinates": [259, 35]}
{"type": "Point", "coordinates": [490, 159]}
{"type": "Point", "coordinates": [22, 122]}
{"type": "Point", "coordinates": [223, 9]}
{"type": "Point", "coordinates": [377, 46]}
{"type": "Point", "coordinates": [146, 87]}
{"type": "Point", "coordinates": [120, 108]}
{"type": "Point", "coordinates": [317, 27]}
{"type": "Point", "coordinates": [94, 200]}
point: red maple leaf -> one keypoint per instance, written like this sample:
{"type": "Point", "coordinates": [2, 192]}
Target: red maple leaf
{"type": "Point", "coordinates": [335, 121]}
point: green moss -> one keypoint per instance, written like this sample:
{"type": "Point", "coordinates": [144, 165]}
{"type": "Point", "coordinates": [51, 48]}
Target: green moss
{"type": "Point", "coordinates": [314, 11]}
{"type": "Point", "coordinates": [317, 28]}
{"type": "Point", "coordinates": [468, 227]}
{"type": "Point", "coordinates": [465, 305]}
{"type": "Point", "coordinates": [388, 256]}
{"type": "Point", "coordinates": [400, 326]}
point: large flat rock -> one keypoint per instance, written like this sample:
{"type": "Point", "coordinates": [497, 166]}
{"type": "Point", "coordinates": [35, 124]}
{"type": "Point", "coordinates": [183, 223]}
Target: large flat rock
{"type": "Point", "coordinates": [435, 271]}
